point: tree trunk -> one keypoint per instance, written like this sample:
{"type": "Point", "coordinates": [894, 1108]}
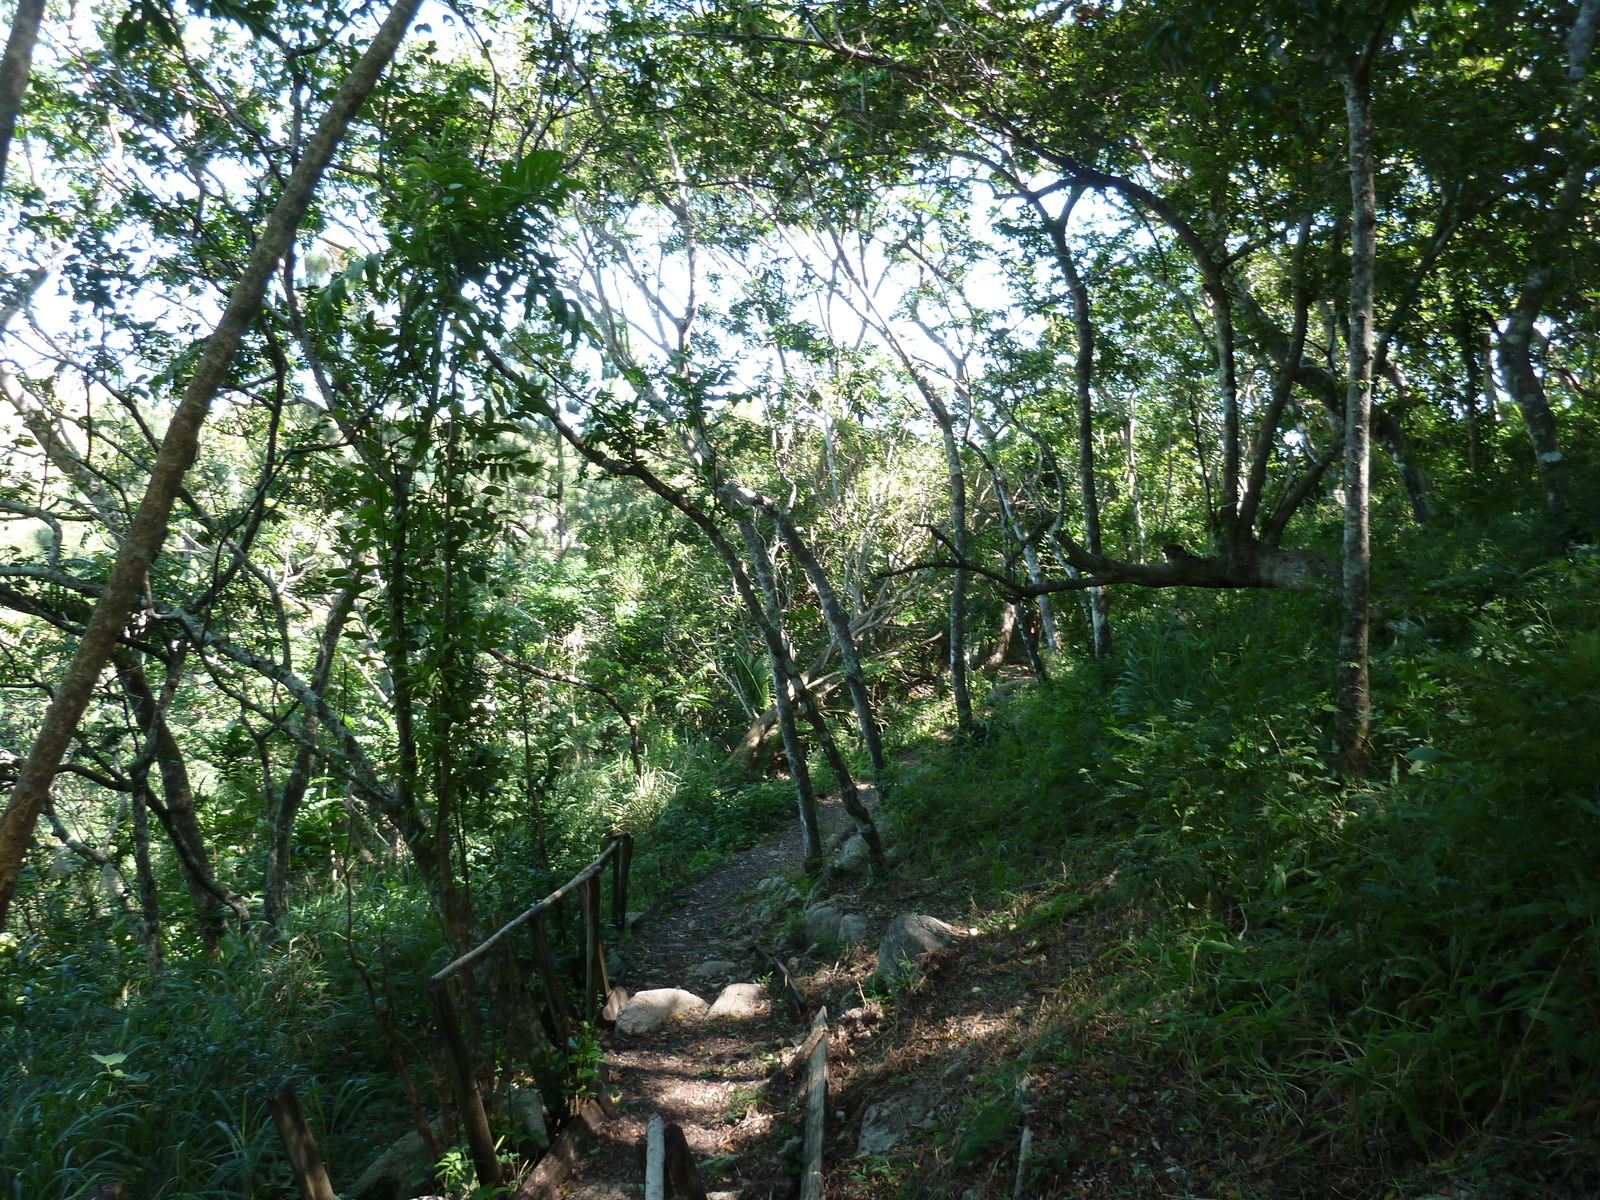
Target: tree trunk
{"type": "Point", "coordinates": [747, 754]}
{"type": "Point", "coordinates": [1468, 342]}
{"type": "Point", "coordinates": [1047, 615]}
{"type": "Point", "coordinates": [177, 453]}
{"type": "Point", "coordinates": [793, 683]}
{"type": "Point", "coordinates": [1083, 385]}
{"type": "Point", "coordinates": [781, 662]}
{"type": "Point", "coordinates": [959, 687]}
{"type": "Point", "coordinates": [1030, 639]}
{"type": "Point", "coordinates": [1516, 339]}
{"type": "Point", "coordinates": [280, 821]}
{"type": "Point", "coordinates": [454, 894]}
{"type": "Point", "coordinates": [1353, 699]}
{"type": "Point", "coordinates": [177, 815]}
{"type": "Point", "coordinates": [149, 899]}
{"type": "Point", "coordinates": [839, 626]}
{"type": "Point", "coordinates": [1002, 639]}
{"type": "Point", "coordinates": [14, 71]}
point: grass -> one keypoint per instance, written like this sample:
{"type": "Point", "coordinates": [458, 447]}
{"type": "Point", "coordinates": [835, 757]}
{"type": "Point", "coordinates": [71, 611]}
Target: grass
{"type": "Point", "coordinates": [103, 1078]}
{"type": "Point", "coordinates": [1387, 973]}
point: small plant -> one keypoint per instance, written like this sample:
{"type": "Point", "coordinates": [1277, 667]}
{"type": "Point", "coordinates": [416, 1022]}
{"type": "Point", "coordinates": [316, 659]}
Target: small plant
{"type": "Point", "coordinates": [583, 1061]}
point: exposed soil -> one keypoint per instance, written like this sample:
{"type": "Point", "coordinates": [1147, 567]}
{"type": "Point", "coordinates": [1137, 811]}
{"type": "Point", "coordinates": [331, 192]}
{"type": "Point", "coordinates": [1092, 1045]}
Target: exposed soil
{"type": "Point", "coordinates": [1014, 1030]}
{"type": "Point", "coordinates": [702, 1075]}
{"type": "Point", "coordinates": [706, 919]}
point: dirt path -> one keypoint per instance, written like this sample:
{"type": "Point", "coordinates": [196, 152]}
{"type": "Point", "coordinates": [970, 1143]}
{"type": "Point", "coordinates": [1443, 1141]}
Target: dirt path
{"type": "Point", "coordinates": [703, 1074]}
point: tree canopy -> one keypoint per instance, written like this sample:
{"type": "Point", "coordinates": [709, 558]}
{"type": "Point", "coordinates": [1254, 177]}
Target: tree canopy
{"type": "Point", "coordinates": [440, 437]}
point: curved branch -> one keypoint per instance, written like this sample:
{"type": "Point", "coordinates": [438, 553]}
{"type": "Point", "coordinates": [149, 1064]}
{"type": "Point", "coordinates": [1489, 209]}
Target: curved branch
{"type": "Point", "coordinates": [616, 705]}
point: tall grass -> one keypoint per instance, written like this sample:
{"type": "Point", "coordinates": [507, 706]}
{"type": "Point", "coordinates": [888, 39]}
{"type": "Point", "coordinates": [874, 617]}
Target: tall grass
{"type": "Point", "coordinates": [103, 1078]}
{"type": "Point", "coordinates": [1412, 957]}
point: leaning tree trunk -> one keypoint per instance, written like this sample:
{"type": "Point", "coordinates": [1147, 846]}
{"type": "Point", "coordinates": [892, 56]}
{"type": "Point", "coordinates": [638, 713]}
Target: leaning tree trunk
{"type": "Point", "coordinates": [839, 625]}
{"type": "Point", "coordinates": [792, 684]}
{"type": "Point", "coordinates": [784, 673]}
{"type": "Point", "coordinates": [177, 815]}
{"type": "Point", "coordinates": [14, 71]}
{"type": "Point", "coordinates": [1353, 700]}
{"type": "Point", "coordinates": [1516, 340]}
{"type": "Point", "coordinates": [177, 453]}
{"type": "Point", "coordinates": [280, 821]}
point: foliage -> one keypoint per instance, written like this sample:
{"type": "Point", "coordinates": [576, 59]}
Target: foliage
{"type": "Point", "coordinates": [1409, 957]}
{"type": "Point", "coordinates": [460, 585]}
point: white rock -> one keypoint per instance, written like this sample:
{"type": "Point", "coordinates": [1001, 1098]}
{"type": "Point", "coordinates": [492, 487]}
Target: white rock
{"type": "Point", "coordinates": [852, 929]}
{"type": "Point", "coordinates": [853, 857]}
{"type": "Point", "coordinates": [713, 969]}
{"type": "Point", "coordinates": [739, 1001]}
{"type": "Point", "coordinates": [649, 1011]}
{"type": "Point", "coordinates": [909, 942]}
{"type": "Point", "coordinates": [822, 922]}
{"type": "Point", "coordinates": [526, 1108]}
{"type": "Point", "coordinates": [396, 1172]}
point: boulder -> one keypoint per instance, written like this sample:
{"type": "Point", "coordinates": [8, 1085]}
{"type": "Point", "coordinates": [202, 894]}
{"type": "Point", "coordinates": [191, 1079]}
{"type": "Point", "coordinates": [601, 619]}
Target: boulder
{"type": "Point", "coordinates": [822, 923]}
{"type": "Point", "coordinates": [909, 942]}
{"type": "Point", "coordinates": [852, 856]}
{"type": "Point", "coordinates": [852, 929]}
{"type": "Point", "coordinates": [401, 1172]}
{"type": "Point", "coordinates": [525, 1107]}
{"type": "Point", "coordinates": [649, 1011]}
{"type": "Point", "coordinates": [712, 970]}
{"type": "Point", "coordinates": [884, 1125]}
{"type": "Point", "coordinates": [739, 1001]}
{"type": "Point", "coordinates": [616, 1001]}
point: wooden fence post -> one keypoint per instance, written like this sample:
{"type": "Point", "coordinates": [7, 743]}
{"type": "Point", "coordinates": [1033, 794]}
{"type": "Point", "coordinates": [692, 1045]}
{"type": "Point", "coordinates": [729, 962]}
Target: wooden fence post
{"type": "Point", "coordinates": [596, 986]}
{"type": "Point", "coordinates": [463, 1083]}
{"type": "Point", "coordinates": [816, 1093]}
{"type": "Point", "coordinates": [621, 861]}
{"type": "Point", "coordinates": [655, 1160]}
{"type": "Point", "coordinates": [304, 1157]}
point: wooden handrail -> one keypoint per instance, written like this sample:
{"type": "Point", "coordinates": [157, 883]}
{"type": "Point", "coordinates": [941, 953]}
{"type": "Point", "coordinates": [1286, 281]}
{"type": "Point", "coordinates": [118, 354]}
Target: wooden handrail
{"type": "Point", "coordinates": [816, 1100]}
{"type": "Point", "coordinates": [488, 943]}
{"type": "Point", "coordinates": [458, 1058]}
{"type": "Point", "coordinates": [669, 1166]}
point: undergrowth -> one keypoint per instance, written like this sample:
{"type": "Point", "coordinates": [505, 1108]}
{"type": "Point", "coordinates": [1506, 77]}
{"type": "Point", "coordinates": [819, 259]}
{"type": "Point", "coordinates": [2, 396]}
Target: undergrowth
{"type": "Point", "coordinates": [1406, 964]}
{"type": "Point", "coordinates": [104, 1077]}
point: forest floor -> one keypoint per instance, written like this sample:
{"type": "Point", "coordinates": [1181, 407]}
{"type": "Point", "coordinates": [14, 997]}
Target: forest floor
{"type": "Point", "coordinates": [1009, 1031]}
{"type": "Point", "coordinates": [700, 1074]}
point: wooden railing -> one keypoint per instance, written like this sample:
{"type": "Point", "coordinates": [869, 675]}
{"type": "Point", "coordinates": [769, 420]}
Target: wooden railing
{"type": "Point", "coordinates": [559, 1016]}
{"type": "Point", "coordinates": [814, 1094]}
{"type": "Point", "coordinates": [669, 1166]}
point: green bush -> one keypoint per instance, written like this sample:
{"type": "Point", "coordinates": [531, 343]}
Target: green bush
{"type": "Point", "coordinates": [1416, 953]}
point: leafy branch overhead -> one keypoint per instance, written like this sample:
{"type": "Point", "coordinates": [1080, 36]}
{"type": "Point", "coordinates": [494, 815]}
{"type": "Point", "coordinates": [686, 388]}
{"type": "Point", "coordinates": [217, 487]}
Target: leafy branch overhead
{"type": "Point", "coordinates": [1139, 458]}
